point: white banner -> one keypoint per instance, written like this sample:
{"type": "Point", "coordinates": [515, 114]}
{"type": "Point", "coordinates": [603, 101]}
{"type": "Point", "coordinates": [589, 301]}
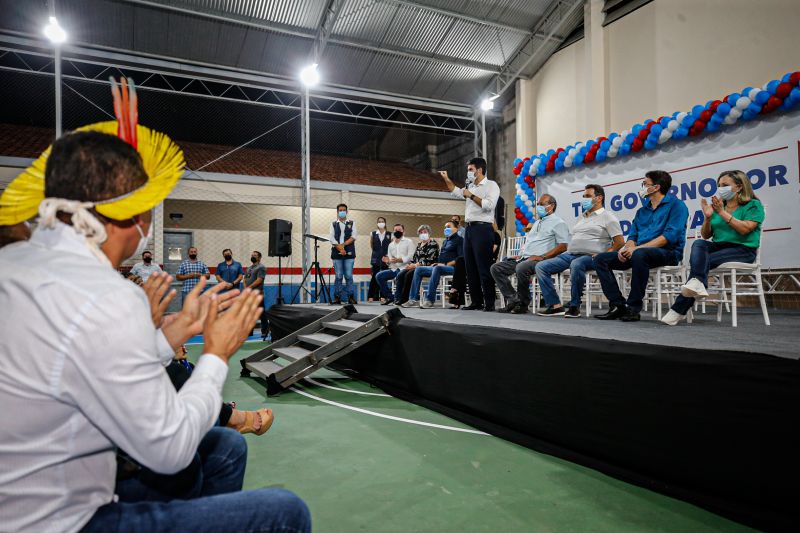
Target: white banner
{"type": "Point", "coordinates": [767, 150]}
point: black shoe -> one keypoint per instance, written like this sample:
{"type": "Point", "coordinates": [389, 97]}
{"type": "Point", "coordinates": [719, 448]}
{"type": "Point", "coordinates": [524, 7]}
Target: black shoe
{"type": "Point", "coordinates": [520, 309]}
{"type": "Point", "coordinates": [352, 301]}
{"type": "Point", "coordinates": [508, 307]}
{"type": "Point", "coordinates": [615, 312]}
{"type": "Point", "coordinates": [572, 312]}
{"type": "Point", "coordinates": [630, 316]}
{"type": "Point", "coordinates": [336, 301]}
{"type": "Point", "coordinates": [387, 302]}
{"type": "Point", "coordinates": [489, 308]}
{"type": "Point", "coordinates": [472, 307]}
{"type": "Point", "coordinates": [552, 311]}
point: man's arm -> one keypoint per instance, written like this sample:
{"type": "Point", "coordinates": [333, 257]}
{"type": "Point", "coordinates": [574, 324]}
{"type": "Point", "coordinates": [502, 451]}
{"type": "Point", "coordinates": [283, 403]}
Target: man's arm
{"type": "Point", "coordinates": [489, 201]}
{"type": "Point", "coordinates": [206, 272]}
{"type": "Point", "coordinates": [616, 243]}
{"type": "Point", "coordinates": [353, 236]}
{"type": "Point", "coordinates": [259, 281]}
{"type": "Point", "coordinates": [449, 183]}
{"type": "Point", "coordinates": [181, 275]}
{"type": "Point", "coordinates": [551, 253]}
{"type": "Point", "coordinates": [219, 278]}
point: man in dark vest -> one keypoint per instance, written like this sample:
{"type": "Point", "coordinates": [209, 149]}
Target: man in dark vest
{"type": "Point", "coordinates": [343, 254]}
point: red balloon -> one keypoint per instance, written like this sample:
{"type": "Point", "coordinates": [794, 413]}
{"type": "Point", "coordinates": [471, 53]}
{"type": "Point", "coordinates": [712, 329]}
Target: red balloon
{"type": "Point", "coordinates": [714, 105]}
{"type": "Point", "coordinates": [699, 125]}
{"type": "Point", "coordinates": [524, 221]}
{"type": "Point", "coordinates": [794, 79]}
{"type": "Point", "coordinates": [589, 157]}
{"type": "Point", "coordinates": [550, 167]}
{"type": "Point", "coordinates": [559, 150]}
{"type": "Point", "coordinates": [772, 104]}
{"type": "Point", "coordinates": [783, 90]}
{"type": "Point", "coordinates": [637, 144]}
{"type": "Point", "coordinates": [601, 139]}
{"type": "Point", "coordinates": [706, 115]}
{"type": "Point", "coordinates": [725, 99]}
{"type": "Point", "coordinates": [553, 158]}
{"type": "Point", "coordinates": [527, 159]}
{"type": "Point", "coordinates": [643, 134]}
{"type": "Point", "coordinates": [517, 171]}
{"type": "Point", "coordinates": [533, 184]}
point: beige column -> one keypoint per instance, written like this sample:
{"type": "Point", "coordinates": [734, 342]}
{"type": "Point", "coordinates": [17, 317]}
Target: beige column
{"type": "Point", "coordinates": [596, 117]}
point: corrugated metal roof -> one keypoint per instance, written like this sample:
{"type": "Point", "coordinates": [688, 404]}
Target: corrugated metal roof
{"type": "Point", "coordinates": [443, 49]}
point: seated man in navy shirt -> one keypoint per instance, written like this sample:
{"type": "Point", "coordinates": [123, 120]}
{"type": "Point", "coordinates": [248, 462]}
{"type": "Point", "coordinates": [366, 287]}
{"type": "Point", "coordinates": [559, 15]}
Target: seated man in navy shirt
{"type": "Point", "coordinates": [230, 271]}
{"type": "Point", "coordinates": [657, 238]}
{"type": "Point", "coordinates": [452, 248]}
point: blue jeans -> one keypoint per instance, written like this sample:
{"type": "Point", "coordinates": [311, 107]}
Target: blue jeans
{"type": "Point", "coordinates": [344, 269]}
{"type": "Point", "coordinates": [640, 264]}
{"type": "Point", "coordinates": [433, 272]}
{"type": "Point", "coordinates": [206, 496]}
{"type": "Point", "coordinates": [383, 278]}
{"type": "Point", "coordinates": [707, 255]}
{"type": "Point", "coordinates": [578, 265]}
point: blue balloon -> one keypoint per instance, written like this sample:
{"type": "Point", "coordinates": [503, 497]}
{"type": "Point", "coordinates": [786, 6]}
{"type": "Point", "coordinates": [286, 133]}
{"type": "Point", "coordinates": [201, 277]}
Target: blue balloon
{"type": "Point", "coordinates": [696, 110]}
{"type": "Point", "coordinates": [649, 145]}
{"type": "Point", "coordinates": [794, 95]}
{"type": "Point", "coordinates": [723, 109]}
{"type": "Point", "coordinates": [712, 126]}
{"type": "Point", "coordinates": [636, 129]}
{"type": "Point", "coordinates": [772, 86]}
{"type": "Point", "coordinates": [629, 138]}
{"type": "Point", "coordinates": [578, 160]}
{"type": "Point", "coordinates": [786, 105]}
{"type": "Point", "coordinates": [762, 98]}
{"type": "Point", "coordinates": [601, 156]}
{"type": "Point", "coordinates": [748, 114]}
{"type": "Point", "coordinates": [518, 201]}
{"type": "Point", "coordinates": [559, 164]}
{"type": "Point", "coordinates": [517, 161]}
{"type": "Point", "coordinates": [786, 77]}
{"type": "Point", "coordinates": [656, 130]}
{"type": "Point", "coordinates": [664, 121]}
{"type": "Point", "coordinates": [613, 136]}
{"type": "Point", "coordinates": [688, 121]}
{"type": "Point", "coordinates": [550, 153]}
{"type": "Point", "coordinates": [625, 149]}
{"type": "Point", "coordinates": [681, 132]}
{"type": "Point", "coordinates": [605, 145]}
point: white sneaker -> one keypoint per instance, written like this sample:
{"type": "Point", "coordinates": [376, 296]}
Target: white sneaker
{"type": "Point", "coordinates": [694, 288]}
{"type": "Point", "coordinates": [426, 304]}
{"type": "Point", "coordinates": [411, 303]}
{"type": "Point", "coordinates": [672, 318]}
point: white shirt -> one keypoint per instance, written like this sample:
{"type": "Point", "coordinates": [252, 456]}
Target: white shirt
{"type": "Point", "coordinates": [594, 232]}
{"type": "Point", "coordinates": [401, 250]}
{"type": "Point", "coordinates": [489, 192]}
{"type": "Point", "coordinates": [81, 372]}
{"type": "Point", "coordinates": [332, 235]}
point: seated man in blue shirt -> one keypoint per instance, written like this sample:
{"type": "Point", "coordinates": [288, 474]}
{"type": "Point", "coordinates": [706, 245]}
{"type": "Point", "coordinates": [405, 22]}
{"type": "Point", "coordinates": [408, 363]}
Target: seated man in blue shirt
{"type": "Point", "coordinates": [657, 238]}
{"type": "Point", "coordinates": [547, 237]}
{"type": "Point", "coordinates": [230, 271]}
{"type": "Point", "coordinates": [452, 248]}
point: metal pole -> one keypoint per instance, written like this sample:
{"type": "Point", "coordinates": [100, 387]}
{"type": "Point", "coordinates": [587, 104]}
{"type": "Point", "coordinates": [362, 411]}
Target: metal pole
{"type": "Point", "coordinates": [483, 134]}
{"type": "Point", "coordinates": [57, 62]}
{"type": "Point", "coordinates": [305, 148]}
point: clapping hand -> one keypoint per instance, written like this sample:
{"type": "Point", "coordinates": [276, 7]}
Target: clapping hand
{"type": "Point", "coordinates": [155, 288]}
{"type": "Point", "coordinates": [717, 205]}
{"type": "Point", "coordinates": [224, 334]}
{"type": "Point", "coordinates": [706, 207]}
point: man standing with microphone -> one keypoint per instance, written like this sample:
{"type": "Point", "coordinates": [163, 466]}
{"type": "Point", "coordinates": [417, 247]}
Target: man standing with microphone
{"type": "Point", "coordinates": [481, 196]}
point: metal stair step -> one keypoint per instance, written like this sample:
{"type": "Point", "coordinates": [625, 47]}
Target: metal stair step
{"type": "Point", "coordinates": [292, 353]}
{"type": "Point", "coordinates": [265, 367]}
{"type": "Point", "coordinates": [317, 339]}
{"type": "Point", "coordinates": [343, 325]}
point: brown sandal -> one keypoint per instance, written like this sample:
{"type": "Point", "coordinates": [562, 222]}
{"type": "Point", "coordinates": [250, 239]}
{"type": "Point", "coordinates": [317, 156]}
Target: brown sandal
{"type": "Point", "coordinates": [250, 418]}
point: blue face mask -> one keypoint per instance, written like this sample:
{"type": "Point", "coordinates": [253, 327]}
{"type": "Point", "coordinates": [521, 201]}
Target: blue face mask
{"type": "Point", "coordinates": [448, 232]}
{"type": "Point", "coordinates": [587, 203]}
{"type": "Point", "coordinates": [541, 211]}
{"type": "Point", "coordinates": [342, 214]}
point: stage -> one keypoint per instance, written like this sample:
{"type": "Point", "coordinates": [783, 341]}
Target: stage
{"type": "Point", "coordinates": [675, 410]}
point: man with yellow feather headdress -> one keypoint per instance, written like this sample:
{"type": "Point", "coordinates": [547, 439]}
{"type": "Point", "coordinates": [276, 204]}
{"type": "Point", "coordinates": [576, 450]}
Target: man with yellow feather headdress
{"type": "Point", "coordinates": [82, 350]}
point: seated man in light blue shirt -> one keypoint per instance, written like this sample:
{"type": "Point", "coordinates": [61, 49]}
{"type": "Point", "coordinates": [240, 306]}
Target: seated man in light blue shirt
{"type": "Point", "coordinates": [145, 267]}
{"type": "Point", "coordinates": [547, 237]}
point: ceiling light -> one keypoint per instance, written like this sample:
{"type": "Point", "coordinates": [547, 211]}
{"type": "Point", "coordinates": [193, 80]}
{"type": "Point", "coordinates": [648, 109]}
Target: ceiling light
{"type": "Point", "coordinates": [55, 32]}
{"type": "Point", "coordinates": [309, 75]}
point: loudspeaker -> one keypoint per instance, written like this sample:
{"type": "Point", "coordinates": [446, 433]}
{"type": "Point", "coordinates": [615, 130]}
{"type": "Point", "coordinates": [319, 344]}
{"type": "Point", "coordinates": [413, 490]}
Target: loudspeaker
{"type": "Point", "coordinates": [280, 238]}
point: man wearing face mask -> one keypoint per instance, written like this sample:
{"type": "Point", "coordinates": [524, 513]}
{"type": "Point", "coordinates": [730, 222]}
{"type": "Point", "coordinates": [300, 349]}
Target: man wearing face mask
{"type": "Point", "coordinates": [343, 253]}
{"type": "Point", "coordinates": [399, 254]}
{"type": "Point", "coordinates": [657, 238]}
{"type": "Point", "coordinates": [456, 220]}
{"type": "Point", "coordinates": [596, 231]}
{"type": "Point", "coordinates": [85, 350]}
{"type": "Point", "coordinates": [229, 271]}
{"type": "Point", "coordinates": [547, 237]}
{"type": "Point", "coordinates": [145, 267]}
{"type": "Point", "coordinates": [480, 194]}
{"type": "Point", "coordinates": [254, 280]}
{"type": "Point", "coordinates": [190, 271]}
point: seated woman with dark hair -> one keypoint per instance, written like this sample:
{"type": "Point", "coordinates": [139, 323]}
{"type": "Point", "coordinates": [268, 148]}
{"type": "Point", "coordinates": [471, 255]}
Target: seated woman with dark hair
{"type": "Point", "coordinates": [731, 232]}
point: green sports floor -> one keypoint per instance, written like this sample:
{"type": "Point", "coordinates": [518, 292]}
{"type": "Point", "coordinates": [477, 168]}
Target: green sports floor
{"type": "Point", "coordinates": [370, 462]}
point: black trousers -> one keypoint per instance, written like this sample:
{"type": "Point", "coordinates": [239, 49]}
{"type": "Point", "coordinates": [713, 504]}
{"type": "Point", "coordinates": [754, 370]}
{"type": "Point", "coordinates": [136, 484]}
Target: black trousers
{"type": "Point", "coordinates": [459, 283]}
{"type": "Point", "coordinates": [374, 290]}
{"type": "Point", "coordinates": [403, 285]}
{"type": "Point", "coordinates": [478, 242]}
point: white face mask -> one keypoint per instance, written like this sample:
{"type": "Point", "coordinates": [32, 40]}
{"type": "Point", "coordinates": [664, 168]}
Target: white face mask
{"type": "Point", "coordinates": [424, 236]}
{"type": "Point", "coordinates": [381, 225]}
{"type": "Point", "coordinates": [143, 240]}
{"type": "Point", "coordinates": [725, 192]}
{"type": "Point", "coordinates": [643, 191]}
{"type": "Point", "coordinates": [470, 177]}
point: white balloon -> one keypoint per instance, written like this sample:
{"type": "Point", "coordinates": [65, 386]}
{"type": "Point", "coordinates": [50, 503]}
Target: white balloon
{"type": "Point", "coordinates": [579, 146]}
{"type": "Point", "coordinates": [682, 115]}
{"type": "Point", "coordinates": [571, 153]}
{"type": "Point", "coordinates": [743, 102]}
{"type": "Point", "coordinates": [567, 162]}
{"type": "Point", "coordinates": [535, 163]}
{"type": "Point", "coordinates": [752, 94]}
{"type": "Point", "coordinates": [730, 119]}
{"type": "Point", "coordinates": [529, 203]}
{"type": "Point", "coordinates": [735, 112]}
{"type": "Point", "coordinates": [665, 136]}
{"type": "Point", "coordinates": [523, 196]}
{"type": "Point", "coordinates": [617, 142]}
{"type": "Point", "coordinates": [612, 152]}
{"type": "Point", "coordinates": [672, 125]}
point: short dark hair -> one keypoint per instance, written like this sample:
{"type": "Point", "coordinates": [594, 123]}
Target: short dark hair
{"type": "Point", "coordinates": [90, 166]}
{"type": "Point", "coordinates": [341, 205]}
{"type": "Point", "coordinates": [147, 252]}
{"type": "Point", "coordinates": [459, 216]}
{"type": "Point", "coordinates": [257, 252]}
{"type": "Point", "coordinates": [191, 247]}
{"type": "Point", "coordinates": [598, 191]}
{"type": "Point", "coordinates": [479, 162]}
{"type": "Point", "coordinates": [382, 218]}
{"type": "Point", "coordinates": [660, 178]}
{"type": "Point", "coordinates": [454, 222]}
{"type": "Point", "coordinates": [550, 200]}
{"type": "Point", "coordinates": [227, 250]}
{"type": "Point", "coordinates": [399, 224]}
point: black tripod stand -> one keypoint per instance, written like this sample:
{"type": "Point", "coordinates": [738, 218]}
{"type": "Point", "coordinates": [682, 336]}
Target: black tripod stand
{"type": "Point", "coordinates": [319, 279]}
